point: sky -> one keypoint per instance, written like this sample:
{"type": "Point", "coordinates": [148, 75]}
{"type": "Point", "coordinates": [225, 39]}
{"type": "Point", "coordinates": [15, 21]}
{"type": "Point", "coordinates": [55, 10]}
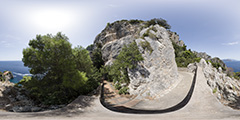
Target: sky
{"type": "Point", "coordinates": [211, 26]}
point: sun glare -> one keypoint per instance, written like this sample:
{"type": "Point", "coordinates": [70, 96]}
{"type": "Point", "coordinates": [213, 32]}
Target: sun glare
{"type": "Point", "coordinates": [52, 20]}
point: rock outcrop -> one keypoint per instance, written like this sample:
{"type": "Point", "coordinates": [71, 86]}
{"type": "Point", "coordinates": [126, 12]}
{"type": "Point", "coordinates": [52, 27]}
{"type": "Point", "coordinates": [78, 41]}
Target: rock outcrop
{"type": "Point", "coordinates": [202, 55]}
{"type": "Point", "coordinates": [216, 61]}
{"type": "Point", "coordinates": [226, 89]}
{"type": "Point", "coordinates": [15, 99]}
{"type": "Point", "coordinates": [158, 72]}
{"type": "Point", "coordinates": [174, 37]}
{"type": "Point", "coordinates": [6, 76]}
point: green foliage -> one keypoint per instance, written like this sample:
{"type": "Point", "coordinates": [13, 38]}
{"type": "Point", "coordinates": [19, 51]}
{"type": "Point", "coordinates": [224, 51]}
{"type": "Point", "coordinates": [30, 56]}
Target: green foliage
{"type": "Point", "coordinates": [146, 34]}
{"type": "Point", "coordinates": [129, 56]}
{"type": "Point", "coordinates": [123, 90]}
{"type": "Point", "coordinates": [108, 24]}
{"type": "Point", "coordinates": [158, 21]}
{"type": "Point", "coordinates": [97, 58]}
{"type": "Point", "coordinates": [183, 57]}
{"type": "Point", "coordinates": [214, 90]}
{"type": "Point", "coordinates": [135, 21]}
{"type": "Point", "coordinates": [77, 81]}
{"type": "Point", "coordinates": [51, 55]}
{"type": "Point", "coordinates": [197, 59]}
{"type": "Point", "coordinates": [118, 86]}
{"type": "Point", "coordinates": [60, 73]}
{"type": "Point", "coordinates": [25, 80]}
{"type": "Point", "coordinates": [236, 75]}
{"type": "Point", "coordinates": [127, 59]}
{"type": "Point", "coordinates": [82, 59]}
{"type": "Point", "coordinates": [146, 45]}
{"type": "Point", "coordinates": [216, 65]}
{"type": "Point", "coordinates": [2, 79]}
{"type": "Point", "coordinates": [1, 76]}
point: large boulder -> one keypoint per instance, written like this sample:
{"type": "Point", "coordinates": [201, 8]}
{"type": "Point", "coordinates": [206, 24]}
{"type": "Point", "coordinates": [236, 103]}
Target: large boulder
{"type": "Point", "coordinates": [157, 73]}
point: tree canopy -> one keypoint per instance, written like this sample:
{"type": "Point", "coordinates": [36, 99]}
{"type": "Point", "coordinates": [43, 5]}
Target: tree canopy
{"type": "Point", "coordinates": [60, 73]}
{"type": "Point", "coordinates": [127, 59]}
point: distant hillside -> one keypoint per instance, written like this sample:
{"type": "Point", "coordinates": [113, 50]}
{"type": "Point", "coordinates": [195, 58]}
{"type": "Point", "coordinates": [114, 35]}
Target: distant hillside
{"type": "Point", "coordinates": [228, 60]}
{"type": "Point", "coordinates": [233, 64]}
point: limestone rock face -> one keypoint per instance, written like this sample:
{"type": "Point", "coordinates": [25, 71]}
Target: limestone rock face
{"type": "Point", "coordinates": [174, 37]}
{"type": "Point", "coordinates": [202, 55]}
{"type": "Point", "coordinates": [158, 72]}
{"type": "Point", "coordinates": [226, 89]}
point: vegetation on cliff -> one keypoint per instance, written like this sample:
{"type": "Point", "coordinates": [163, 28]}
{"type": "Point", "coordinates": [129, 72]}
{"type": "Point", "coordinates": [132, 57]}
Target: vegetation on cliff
{"type": "Point", "coordinates": [160, 21]}
{"type": "Point", "coordinates": [60, 73]}
{"type": "Point", "coordinates": [183, 56]}
{"type": "Point", "coordinates": [118, 71]}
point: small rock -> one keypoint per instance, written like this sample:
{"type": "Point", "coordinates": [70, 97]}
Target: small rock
{"type": "Point", "coordinates": [192, 67]}
{"type": "Point", "coordinates": [22, 109]}
{"type": "Point", "coordinates": [36, 109]}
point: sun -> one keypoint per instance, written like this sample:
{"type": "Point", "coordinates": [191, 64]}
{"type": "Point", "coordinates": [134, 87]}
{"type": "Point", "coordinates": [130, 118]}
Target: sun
{"type": "Point", "coordinates": [52, 20]}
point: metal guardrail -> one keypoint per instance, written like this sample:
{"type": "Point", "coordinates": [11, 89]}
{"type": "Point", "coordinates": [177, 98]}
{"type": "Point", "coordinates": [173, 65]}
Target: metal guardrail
{"type": "Point", "coordinates": [123, 109]}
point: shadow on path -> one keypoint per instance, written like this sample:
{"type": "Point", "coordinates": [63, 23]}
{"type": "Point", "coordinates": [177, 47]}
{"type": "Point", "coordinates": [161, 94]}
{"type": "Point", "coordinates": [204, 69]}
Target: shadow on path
{"type": "Point", "coordinates": [123, 109]}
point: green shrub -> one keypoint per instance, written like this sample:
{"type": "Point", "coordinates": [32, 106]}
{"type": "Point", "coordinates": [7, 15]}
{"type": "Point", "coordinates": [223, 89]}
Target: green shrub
{"type": "Point", "coordinates": [236, 75]}
{"type": "Point", "coordinates": [158, 21]}
{"type": "Point", "coordinates": [145, 34]}
{"type": "Point", "coordinates": [197, 59]}
{"type": "Point", "coordinates": [214, 90]}
{"type": "Point", "coordinates": [135, 21]}
{"type": "Point", "coordinates": [123, 90]}
{"type": "Point", "coordinates": [108, 24]}
{"type": "Point", "coordinates": [118, 86]}
{"type": "Point", "coordinates": [146, 45]}
{"type": "Point", "coordinates": [184, 57]}
{"type": "Point", "coordinates": [127, 59]}
{"type": "Point", "coordinates": [216, 65]}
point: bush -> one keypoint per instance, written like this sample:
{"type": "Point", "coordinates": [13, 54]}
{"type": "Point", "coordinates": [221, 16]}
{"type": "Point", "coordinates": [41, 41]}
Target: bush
{"type": "Point", "coordinates": [127, 59]}
{"type": "Point", "coordinates": [123, 90]}
{"type": "Point", "coordinates": [145, 34]}
{"type": "Point", "coordinates": [214, 90]}
{"type": "Point", "coordinates": [236, 75]}
{"type": "Point", "coordinates": [135, 21]}
{"type": "Point", "coordinates": [158, 21]}
{"type": "Point", "coordinates": [184, 57]}
{"type": "Point", "coordinates": [118, 86]}
{"type": "Point", "coordinates": [146, 45]}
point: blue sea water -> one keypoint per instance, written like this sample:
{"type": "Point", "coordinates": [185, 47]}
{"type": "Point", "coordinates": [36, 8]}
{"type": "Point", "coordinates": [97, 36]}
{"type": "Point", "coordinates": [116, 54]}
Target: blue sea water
{"type": "Point", "coordinates": [16, 67]}
{"type": "Point", "coordinates": [233, 64]}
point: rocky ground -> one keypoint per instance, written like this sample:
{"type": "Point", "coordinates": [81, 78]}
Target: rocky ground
{"type": "Point", "coordinates": [15, 99]}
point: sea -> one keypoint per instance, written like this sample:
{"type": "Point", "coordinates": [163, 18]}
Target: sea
{"type": "Point", "coordinates": [16, 67]}
{"type": "Point", "coordinates": [233, 64]}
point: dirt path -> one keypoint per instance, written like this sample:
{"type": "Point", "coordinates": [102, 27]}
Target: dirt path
{"type": "Point", "coordinates": [203, 105]}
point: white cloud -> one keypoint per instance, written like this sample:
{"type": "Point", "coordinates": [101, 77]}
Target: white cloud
{"type": "Point", "coordinates": [231, 43]}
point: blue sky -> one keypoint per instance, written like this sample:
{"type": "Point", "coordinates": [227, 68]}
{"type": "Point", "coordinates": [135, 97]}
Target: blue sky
{"type": "Point", "coordinates": [211, 26]}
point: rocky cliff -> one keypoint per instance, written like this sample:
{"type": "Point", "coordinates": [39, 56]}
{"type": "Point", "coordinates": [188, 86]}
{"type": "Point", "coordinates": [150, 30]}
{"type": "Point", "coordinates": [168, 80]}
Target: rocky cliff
{"type": "Point", "coordinates": [225, 88]}
{"type": "Point", "coordinates": [158, 72]}
{"type": "Point", "coordinates": [174, 37]}
{"type": "Point", "coordinates": [216, 62]}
